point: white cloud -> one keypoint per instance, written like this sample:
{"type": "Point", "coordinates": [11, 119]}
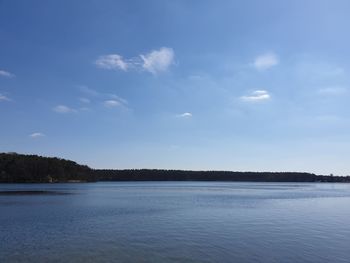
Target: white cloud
{"type": "Point", "coordinates": [107, 99]}
{"type": "Point", "coordinates": [4, 98]}
{"type": "Point", "coordinates": [258, 95]}
{"type": "Point", "coordinates": [112, 61]}
{"type": "Point", "coordinates": [115, 101]}
{"type": "Point", "coordinates": [7, 74]}
{"type": "Point", "coordinates": [158, 60]}
{"type": "Point", "coordinates": [185, 115]}
{"type": "Point", "coordinates": [63, 109]}
{"type": "Point", "coordinates": [266, 61]}
{"type": "Point", "coordinates": [154, 62]}
{"type": "Point", "coordinates": [36, 135]}
{"type": "Point", "coordinates": [88, 91]}
{"type": "Point", "coordinates": [121, 100]}
{"type": "Point", "coordinates": [112, 103]}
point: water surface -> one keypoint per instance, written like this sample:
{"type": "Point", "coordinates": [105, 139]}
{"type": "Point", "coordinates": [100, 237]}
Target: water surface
{"type": "Point", "coordinates": [175, 222]}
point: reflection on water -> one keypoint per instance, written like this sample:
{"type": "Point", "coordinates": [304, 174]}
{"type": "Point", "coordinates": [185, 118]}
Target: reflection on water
{"type": "Point", "coordinates": [175, 222]}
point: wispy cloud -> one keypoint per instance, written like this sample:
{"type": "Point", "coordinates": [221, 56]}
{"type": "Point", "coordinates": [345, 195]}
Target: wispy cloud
{"type": "Point", "coordinates": [4, 98]}
{"type": "Point", "coordinates": [37, 135]}
{"type": "Point", "coordinates": [88, 91]}
{"type": "Point", "coordinates": [266, 61]}
{"type": "Point", "coordinates": [6, 74]}
{"type": "Point", "coordinates": [185, 115]}
{"type": "Point", "coordinates": [112, 61]}
{"type": "Point", "coordinates": [63, 109]}
{"type": "Point", "coordinates": [111, 103]}
{"type": "Point", "coordinates": [108, 100]}
{"type": "Point", "coordinates": [155, 61]}
{"type": "Point", "coordinates": [158, 60]}
{"type": "Point", "coordinates": [255, 96]}
{"type": "Point", "coordinates": [116, 97]}
{"type": "Point", "coordinates": [115, 101]}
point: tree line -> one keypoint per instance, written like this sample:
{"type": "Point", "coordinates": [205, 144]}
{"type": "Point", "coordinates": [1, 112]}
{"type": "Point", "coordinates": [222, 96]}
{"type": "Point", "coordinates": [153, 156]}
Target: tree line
{"type": "Point", "coordinates": [19, 168]}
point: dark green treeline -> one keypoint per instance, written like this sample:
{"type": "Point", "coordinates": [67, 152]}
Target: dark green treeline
{"type": "Point", "coordinates": [19, 168]}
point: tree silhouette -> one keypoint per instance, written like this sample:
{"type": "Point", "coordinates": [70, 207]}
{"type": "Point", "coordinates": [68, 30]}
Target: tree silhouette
{"type": "Point", "coordinates": [19, 168]}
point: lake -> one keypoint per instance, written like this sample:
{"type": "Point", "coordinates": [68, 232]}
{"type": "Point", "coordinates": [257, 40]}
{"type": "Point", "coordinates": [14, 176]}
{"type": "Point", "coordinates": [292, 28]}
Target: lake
{"type": "Point", "coordinates": [175, 222]}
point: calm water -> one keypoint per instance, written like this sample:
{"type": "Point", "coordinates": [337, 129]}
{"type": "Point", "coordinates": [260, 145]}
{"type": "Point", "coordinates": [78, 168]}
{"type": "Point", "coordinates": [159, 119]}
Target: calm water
{"type": "Point", "coordinates": [176, 222]}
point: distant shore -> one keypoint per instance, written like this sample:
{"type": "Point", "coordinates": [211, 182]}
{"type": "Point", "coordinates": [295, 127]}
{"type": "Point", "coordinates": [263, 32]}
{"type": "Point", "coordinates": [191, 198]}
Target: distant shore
{"type": "Point", "coordinates": [20, 168]}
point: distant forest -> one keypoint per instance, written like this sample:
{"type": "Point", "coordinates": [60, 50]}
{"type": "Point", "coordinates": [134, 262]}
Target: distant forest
{"type": "Point", "coordinates": [19, 168]}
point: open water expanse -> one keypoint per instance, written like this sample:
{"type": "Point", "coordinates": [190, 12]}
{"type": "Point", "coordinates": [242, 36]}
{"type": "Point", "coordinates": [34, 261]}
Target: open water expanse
{"type": "Point", "coordinates": [175, 222]}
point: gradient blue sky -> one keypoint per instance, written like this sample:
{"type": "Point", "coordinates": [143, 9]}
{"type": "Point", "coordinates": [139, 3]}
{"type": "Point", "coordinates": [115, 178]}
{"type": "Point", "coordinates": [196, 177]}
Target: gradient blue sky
{"type": "Point", "coordinates": [228, 85]}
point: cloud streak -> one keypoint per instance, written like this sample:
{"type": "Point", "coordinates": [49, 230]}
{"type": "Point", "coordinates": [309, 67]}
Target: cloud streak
{"type": "Point", "coordinates": [158, 60]}
{"type": "Point", "coordinates": [6, 74]}
{"type": "Point", "coordinates": [185, 115]}
{"type": "Point", "coordinates": [37, 135]}
{"type": "Point", "coordinates": [266, 61]}
{"type": "Point", "coordinates": [112, 61]}
{"type": "Point", "coordinates": [256, 96]}
{"type": "Point", "coordinates": [108, 100]}
{"type": "Point", "coordinates": [63, 109]}
{"type": "Point", "coordinates": [4, 98]}
{"type": "Point", "coordinates": [111, 103]}
{"type": "Point", "coordinates": [155, 61]}
{"type": "Point", "coordinates": [115, 101]}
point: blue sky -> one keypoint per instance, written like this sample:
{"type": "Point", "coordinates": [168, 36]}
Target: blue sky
{"type": "Point", "coordinates": [235, 85]}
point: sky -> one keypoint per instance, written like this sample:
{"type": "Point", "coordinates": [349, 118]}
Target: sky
{"type": "Point", "coordinates": [206, 85]}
